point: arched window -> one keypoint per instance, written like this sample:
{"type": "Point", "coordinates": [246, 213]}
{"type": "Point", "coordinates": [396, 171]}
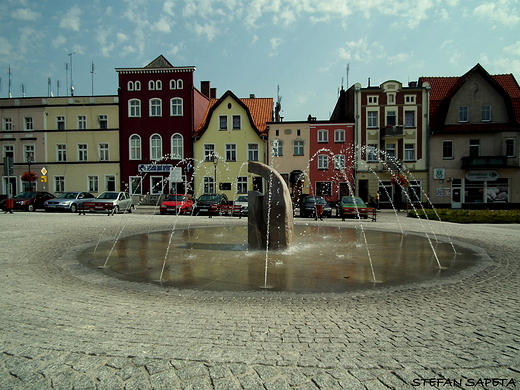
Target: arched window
{"type": "Point", "coordinates": [173, 85]}
{"type": "Point", "coordinates": [156, 147]}
{"type": "Point", "coordinates": [158, 85]}
{"type": "Point", "coordinates": [151, 85]}
{"type": "Point", "coordinates": [134, 108]}
{"type": "Point", "coordinates": [130, 86]}
{"type": "Point", "coordinates": [176, 107]}
{"type": "Point", "coordinates": [155, 107]}
{"type": "Point", "coordinates": [137, 85]}
{"type": "Point", "coordinates": [177, 147]}
{"type": "Point", "coordinates": [180, 84]}
{"type": "Point", "coordinates": [135, 147]}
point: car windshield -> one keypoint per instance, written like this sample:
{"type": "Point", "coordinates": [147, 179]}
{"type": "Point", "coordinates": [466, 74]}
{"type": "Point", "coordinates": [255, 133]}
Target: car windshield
{"type": "Point", "coordinates": [108, 195]}
{"type": "Point", "coordinates": [68, 195]}
{"type": "Point", "coordinates": [209, 198]}
{"type": "Point", "coordinates": [26, 195]}
{"type": "Point", "coordinates": [315, 200]}
{"type": "Point", "coordinates": [242, 199]}
{"type": "Point", "coordinates": [353, 200]}
{"type": "Point", "coordinates": [178, 198]}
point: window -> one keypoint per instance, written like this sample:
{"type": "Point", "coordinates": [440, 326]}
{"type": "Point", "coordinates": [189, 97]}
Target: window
{"type": "Point", "coordinates": [209, 152]}
{"type": "Point", "coordinates": [29, 154]}
{"type": "Point", "coordinates": [134, 108]}
{"type": "Point", "coordinates": [82, 152]}
{"type": "Point", "coordinates": [323, 161]}
{"type": "Point", "coordinates": [158, 85]}
{"type": "Point", "coordinates": [155, 107]}
{"type": "Point", "coordinates": [59, 183]}
{"type": "Point", "coordinates": [277, 148]}
{"type": "Point", "coordinates": [409, 99]}
{"type": "Point", "coordinates": [323, 136]}
{"type": "Point", "coordinates": [391, 118]}
{"type": "Point", "coordinates": [103, 151]}
{"type": "Point", "coordinates": [231, 152]}
{"type": "Point", "coordinates": [298, 148]}
{"type": "Point", "coordinates": [110, 183]}
{"type": "Point", "coordinates": [339, 135]}
{"type": "Point", "coordinates": [180, 84]}
{"type": "Point", "coordinates": [390, 98]}
{"type": "Point", "coordinates": [409, 119]}
{"type": "Point", "coordinates": [463, 113]}
{"type": "Point", "coordinates": [60, 122]}
{"type": "Point", "coordinates": [323, 188]}
{"type": "Point", "coordinates": [414, 190]}
{"type": "Point", "coordinates": [237, 122]}
{"type": "Point", "coordinates": [151, 85]}
{"type": "Point", "coordinates": [390, 152]}
{"type": "Point", "coordinates": [252, 152]}
{"type": "Point", "coordinates": [156, 185]}
{"type": "Point", "coordinates": [28, 123]}
{"type": "Point", "coordinates": [486, 113]}
{"type": "Point", "coordinates": [372, 119]}
{"type": "Point", "coordinates": [474, 147]}
{"type": "Point", "coordinates": [372, 153]}
{"type": "Point", "coordinates": [447, 149]}
{"type": "Point", "coordinates": [130, 86]}
{"type": "Point", "coordinates": [82, 122]}
{"type": "Point", "coordinates": [8, 124]}
{"type": "Point", "coordinates": [173, 84]}
{"type": "Point", "coordinates": [93, 183]}
{"type": "Point", "coordinates": [209, 185]}
{"type": "Point", "coordinates": [372, 100]}
{"type": "Point", "coordinates": [136, 185]}
{"type": "Point", "coordinates": [156, 147]}
{"type": "Point", "coordinates": [177, 147]}
{"type": "Point", "coordinates": [242, 185]}
{"type": "Point", "coordinates": [135, 147]}
{"type": "Point", "coordinates": [103, 121]}
{"type": "Point", "coordinates": [137, 85]}
{"type": "Point", "coordinates": [339, 161]}
{"type": "Point", "coordinates": [176, 107]}
{"type": "Point", "coordinates": [510, 147]}
{"type": "Point", "coordinates": [61, 152]}
{"type": "Point", "coordinates": [409, 152]}
{"type": "Point", "coordinates": [222, 122]}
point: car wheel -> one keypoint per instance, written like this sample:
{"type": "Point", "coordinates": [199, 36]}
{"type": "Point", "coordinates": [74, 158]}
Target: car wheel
{"type": "Point", "coordinates": [115, 210]}
{"type": "Point", "coordinates": [31, 208]}
{"type": "Point", "coordinates": [131, 208]}
{"type": "Point", "coordinates": [73, 208]}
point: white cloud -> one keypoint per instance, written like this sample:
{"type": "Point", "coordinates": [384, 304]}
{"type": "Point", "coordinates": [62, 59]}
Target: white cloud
{"type": "Point", "coordinates": [207, 30]}
{"type": "Point", "coordinates": [59, 41]}
{"type": "Point", "coordinates": [513, 49]}
{"type": "Point", "coordinates": [168, 7]}
{"type": "Point", "coordinates": [501, 11]}
{"type": "Point", "coordinates": [71, 19]}
{"type": "Point", "coordinates": [163, 25]}
{"type": "Point", "coordinates": [5, 47]}
{"type": "Point", "coordinates": [102, 37]}
{"type": "Point", "coordinates": [25, 14]}
{"type": "Point", "coordinates": [275, 42]}
{"type": "Point", "coordinates": [361, 50]}
{"type": "Point", "coordinates": [121, 37]}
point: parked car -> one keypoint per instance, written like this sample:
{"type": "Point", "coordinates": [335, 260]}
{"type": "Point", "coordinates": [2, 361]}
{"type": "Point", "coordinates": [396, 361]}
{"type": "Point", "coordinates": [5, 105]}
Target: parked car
{"type": "Point", "coordinates": [243, 201]}
{"type": "Point", "coordinates": [29, 200]}
{"type": "Point", "coordinates": [205, 201]}
{"type": "Point", "coordinates": [310, 203]}
{"type": "Point", "coordinates": [355, 207]}
{"type": "Point", "coordinates": [67, 201]}
{"type": "Point", "coordinates": [111, 201]}
{"type": "Point", "coordinates": [177, 204]}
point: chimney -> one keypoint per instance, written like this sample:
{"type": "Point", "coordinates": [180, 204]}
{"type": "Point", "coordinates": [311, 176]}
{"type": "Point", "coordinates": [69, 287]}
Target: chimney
{"type": "Point", "coordinates": [205, 88]}
{"type": "Point", "coordinates": [213, 93]}
{"type": "Point", "coordinates": [252, 96]}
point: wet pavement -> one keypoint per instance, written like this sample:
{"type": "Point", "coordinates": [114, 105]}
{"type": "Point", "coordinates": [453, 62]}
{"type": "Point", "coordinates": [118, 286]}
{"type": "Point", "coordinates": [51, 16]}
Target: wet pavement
{"type": "Point", "coordinates": [67, 326]}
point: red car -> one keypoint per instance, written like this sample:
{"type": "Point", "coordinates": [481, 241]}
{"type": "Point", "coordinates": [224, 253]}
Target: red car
{"type": "Point", "coordinates": [177, 204]}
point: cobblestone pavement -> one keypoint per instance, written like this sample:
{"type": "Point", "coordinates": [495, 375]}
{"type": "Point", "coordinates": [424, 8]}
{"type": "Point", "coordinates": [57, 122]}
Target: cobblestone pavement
{"type": "Point", "coordinates": [67, 327]}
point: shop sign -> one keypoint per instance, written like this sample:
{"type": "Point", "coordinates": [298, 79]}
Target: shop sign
{"type": "Point", "coordinates": [155, 168]}
{"type": "Point", "coordinates": [176, 174]}
{"type": "Point", "coordinates": [482, 175]}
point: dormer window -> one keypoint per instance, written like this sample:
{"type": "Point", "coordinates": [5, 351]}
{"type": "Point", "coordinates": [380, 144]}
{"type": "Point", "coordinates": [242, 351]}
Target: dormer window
{"type": "Point", "coordinates": [372, 100]}
{"type": "Point", "coordinates": [409, 99]}
{"type": "Point", "coordinates": [463, 113]}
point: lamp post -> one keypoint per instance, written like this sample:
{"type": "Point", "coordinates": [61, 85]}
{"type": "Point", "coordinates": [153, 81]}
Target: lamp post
{"type": "Point", "coordinates": [215, 162]}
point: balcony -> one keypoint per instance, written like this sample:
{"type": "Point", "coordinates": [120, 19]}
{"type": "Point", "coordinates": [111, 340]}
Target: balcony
{"type": "Point", "coordinates": [484, 162]}
{"type": "Point", "coordinates": [393, 131]}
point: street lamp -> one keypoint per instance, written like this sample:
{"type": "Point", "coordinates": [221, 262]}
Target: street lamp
{"type": "Point", "coordinates": [215, 162]}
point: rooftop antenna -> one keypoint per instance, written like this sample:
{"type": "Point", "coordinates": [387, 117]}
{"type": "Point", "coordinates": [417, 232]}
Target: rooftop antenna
{"type": "Point", "coordinates": [10, 95]}
{"type": "Point", "coordinates": [92, 71]}
{"type": "Point", "coordinates": [23, 90]}
{"type": "Point", "coordinates": [348, 71]}
{"type": "Point", "coordinates": [71, 79]}
{"type": "Point", "coordinates": [278, 106]}
{"type": "Point", "coordinates": [66, 77]}
{"type": "Point", "coordinates": [58, 87]}
{"type": "Point", "coordinates": [49, 89]}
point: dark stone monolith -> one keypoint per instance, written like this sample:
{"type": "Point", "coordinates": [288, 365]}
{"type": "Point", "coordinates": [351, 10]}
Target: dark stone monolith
{"type": "Point", "coordinates": [270, 218]}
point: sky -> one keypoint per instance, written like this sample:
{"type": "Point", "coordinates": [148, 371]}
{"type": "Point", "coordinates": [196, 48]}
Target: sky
{"type": "Point", "coordinates": [301, 51]}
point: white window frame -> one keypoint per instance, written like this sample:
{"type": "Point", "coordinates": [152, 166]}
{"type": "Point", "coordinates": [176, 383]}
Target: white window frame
{"type": "Point", "coordinates": [372, 100]}
{"type": "Point", "coordinates": [242, 185]}
{"type": "Point", "coordinates": [173, 84]}
{"type": "Point", "coordinates": [60, 122]}
{"type": "Point", "coordinates": [180, 84]}
{"type": "Point", "coordinates": [102, 121]}
{"type": "Point", "coordinates": [135, 185]}
{"type": "Point", "coordinates": [155, 107]}
{"type": "Point", "coordinates": [110, 179]}
{"type": "Point", "coordinates": [28, 124]}
{"type": "Point", "coordinates": [59, 183]}
{"type": "Point", "coordinates": [463, 114]}
{"type": "Point", "coordinates": [137, 85]}
{"type": "Point", "coordinates": [372, 119]}
{"type": "Point", "coordinates": [486, 113]}
{"type": "Point", "coordinates": [253, 152]}
{"type": "Point", "coordinates": [82, 152]}
{"type": "Point", "coordinates": [390, 151]}
{"type": "Point", "coordinates": [323, 161]}
{"type": "Point", "coordinates": [158, 85]}
{"type": "Point", "coordinates": [130, 86]}
{"type": "Point", "coordinates": [388, 116]}
{"type": "Point", "coordinates": [135, 147]}
{"type": "Point", "coordinates": [156, 149]}
{"type": "Point", "coordinates": [409, 99]}
{"type": "Point", "coordinates": [7, 124]}
{"type": "Point", "coordinates": [445, 144]}
{"type": "Point", "coordinates": [177, 147]}
{"type": "Point", "coordinates": [104, 151]}
{"type": "Point", "coordinates": [151, 85]}
{"type": "Point", "coordinates": [223, 122]}
{"type": "Point", "coordinates": [93, 183]}
{"type": "Point", "coordinates": [340, 161]}
{"type": "Point", "coordinates": [323, 136]}
{"type": "Point", "coordinates": [339, 135]}
{"type": "Point", "coordinates": [407, 115]}
{"type": "Point", "coordinates": [82, 122]}
{"type": "Point", "coordinates": [209, 185]}
{"type": "Point", "coordinates": [61, 152]}
{"type": "Point", "coordinates": [513, 147]}
{"type": "Point", "coordinates": [176, 106]}
{"type": "Point", "coordinates": [209, 152]}
{"type": "Point", "coordinates": [29, 150]}
{"type": "Point", "coordinates": [372, 155]}
{"type": "Point", "coordinates": [409, 152]}
{"type": "Point", "coordinates": [134, 108]}
{"type": "Point", "coordinates": [236, 122]}
{"type": "Point", "coordinates": [298, 146]}
{"type": "Point", "coordinates": [231, 152]}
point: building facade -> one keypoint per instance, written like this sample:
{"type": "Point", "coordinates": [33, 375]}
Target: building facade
{"type": "Point", "coordinates": [475, 129]}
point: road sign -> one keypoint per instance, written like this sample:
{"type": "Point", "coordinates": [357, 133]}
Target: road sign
{"type": "Point", "coordinates": [44, 171]}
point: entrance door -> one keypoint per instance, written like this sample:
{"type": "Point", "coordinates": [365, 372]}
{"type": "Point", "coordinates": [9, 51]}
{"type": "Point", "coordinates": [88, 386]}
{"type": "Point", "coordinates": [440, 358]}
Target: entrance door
{"type": "Point", "coordinates": [363, 190]}
{"type": "Point", "coordinates": [456, 193]}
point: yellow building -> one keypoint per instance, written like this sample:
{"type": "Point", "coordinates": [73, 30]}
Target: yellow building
{"type": "Point", "coordinates": [82, 144]}
{"type": "Point", "coordinates": [232, 133]}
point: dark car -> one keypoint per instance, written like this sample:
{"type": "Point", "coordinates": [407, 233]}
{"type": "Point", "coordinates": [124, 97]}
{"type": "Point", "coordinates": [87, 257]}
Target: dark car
{"type": "Point", "coordinates": [67, 201]}
{"type": "Point", "coordinates": [205, 201]}
{"type": "Point", "coordinates": [29, 200]}
{"type": "Point", "coordinates": [309, 205]}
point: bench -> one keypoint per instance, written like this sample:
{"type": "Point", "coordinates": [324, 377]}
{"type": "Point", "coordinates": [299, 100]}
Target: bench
{"type": "Point", "coordinates": [225, 209]}
{"type": "Point", "coordinates": [361, 212]}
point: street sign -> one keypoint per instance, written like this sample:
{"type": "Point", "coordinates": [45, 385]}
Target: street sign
{"type": "Point", "coordinates": [44, 171]}
{"type": "Point", "coordinates": [43, 179]}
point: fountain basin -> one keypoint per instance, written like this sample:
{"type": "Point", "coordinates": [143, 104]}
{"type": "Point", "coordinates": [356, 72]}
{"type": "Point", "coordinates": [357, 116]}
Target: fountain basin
{"type": "Point", "coordinates": [322, 259]}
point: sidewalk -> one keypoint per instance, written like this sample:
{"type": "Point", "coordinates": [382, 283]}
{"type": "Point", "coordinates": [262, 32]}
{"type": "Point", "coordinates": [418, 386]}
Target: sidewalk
{"type": "Point", "coordinates": [66, 327]}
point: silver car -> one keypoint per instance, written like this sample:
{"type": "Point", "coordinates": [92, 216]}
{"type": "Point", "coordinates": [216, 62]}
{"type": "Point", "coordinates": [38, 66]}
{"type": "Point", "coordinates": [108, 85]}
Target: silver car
{"type": "Point", "coordinates": [67, 201]}
{"type": "Point", "coordinates": [111, 202]}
